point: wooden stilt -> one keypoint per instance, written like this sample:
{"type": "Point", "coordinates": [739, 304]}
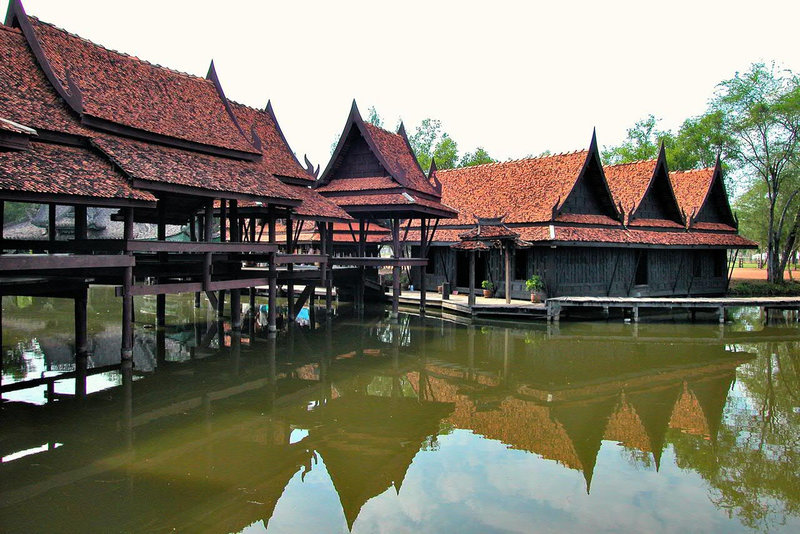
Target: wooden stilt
{"type": "Point", "coordinates": [423, 252]}
{"type": "Point", "coordinates": [273, 287]}
{"type": "Point", "coordinates": [51, 222]}
{"type": "Point", "coordinates": [81, 342]}
{"type": "Point", "coordinates": [193, 230]}
{"type": "Point", "coordinates": [396, 268]}
{"type": "Point", "coordinates": [471, 296]}
{"type": "Point", "coordinates": [161, 300]}
{"type": "Point", "coordinates": [127, 298]}
{"type": "Point", "coordinates": [207, 236]}
{"type": "Point", "coordinates": [508, 274]}
{"type": "Point", "coordinates": [236, 293]}
{"type": "Point", "coordinates": [290, 268]}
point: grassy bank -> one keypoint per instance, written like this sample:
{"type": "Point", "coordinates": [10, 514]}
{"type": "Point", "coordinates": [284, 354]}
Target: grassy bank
{"type": "Point", "coordinates": [758, 288]}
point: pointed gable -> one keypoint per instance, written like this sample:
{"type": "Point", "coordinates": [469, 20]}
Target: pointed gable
{"type": "Point", "coordinates": [524, 190]}
{"type": "Point", "coordinates": [589, 200]}
{"type": "Point", "coordinates": [702, 196]}
{"type": "Point", "coordinates": [643, 192]}
{"type": "Point", "coordinates": [121, 93]}
{"type": "Point", "coordinates": [277, 155]}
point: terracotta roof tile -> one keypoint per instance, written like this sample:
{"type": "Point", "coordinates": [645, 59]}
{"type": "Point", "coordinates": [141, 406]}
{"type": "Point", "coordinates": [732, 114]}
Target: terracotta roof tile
{"type": "Point", "coordinates": [524, 190]}
{"type": "Point", "coordinates": [277, 156]}
{"type": "Point", "coordinates": [586, 218]}
{"type": "Point", "coordinates": [401, 160]}
{"type": "Point", "coordinates": [470, 245]}
{"type": "Point", "coordinates": [26, 96]}
{"type": "Point", "coordinates": [654, 223]}
{"type": "Point", "coordinates": [14, 127]}
{"type": "Point", "coordinates": [691, 188]}
{"type": "Point", "coordinates": [360, 184]}
{"type": "Point", "coordinates": [129, 91]}
{"type": "Point", "coordinates": [722, 227]}
{"type": "Point", "coordinates": [619, 235]}
{"type": "Point", "coordinates": [64, 170]}
{"type": "Point", "coordinates": [628, 182]}
{"type": "Point", "coordinates": [391, 199]}
{"type": "Point", "coordinates": [315, 205]}
{"type": "Point", "coordinates": [167, 165]}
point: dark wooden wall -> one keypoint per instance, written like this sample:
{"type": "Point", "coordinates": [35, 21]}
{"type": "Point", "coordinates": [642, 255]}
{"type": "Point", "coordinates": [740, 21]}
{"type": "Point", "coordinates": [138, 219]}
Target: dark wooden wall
{"type": "Point", "coordinates": [358, 161]}
{"type": "Point", "coordinates": [600, 271]}
{"type": "Point", "coordinates": [590, 195]}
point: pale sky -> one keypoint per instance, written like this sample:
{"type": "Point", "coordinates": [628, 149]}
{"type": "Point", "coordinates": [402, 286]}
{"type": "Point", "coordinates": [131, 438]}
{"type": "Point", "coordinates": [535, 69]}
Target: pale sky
{"type": "Point", "coordinates": [514, 77]}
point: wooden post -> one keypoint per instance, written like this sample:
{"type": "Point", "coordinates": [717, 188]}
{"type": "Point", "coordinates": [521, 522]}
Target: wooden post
{"type": "Point", "coordinates": [396, 268]}
{"type": "Point", "coordinates": [80, 223]}
{"type": "Point", "coordinates": [207, 234]}
{"type": "Point", "coordinates": [81, 341]}
{"type": "Point", "coordinates": [329, 286]}
{"type": "Point", "coordinates": [252, 294]}
{"type": "Point", "coordinates": [273, 288]}
{"type": "Point", "coordinates": [127, 298]}
{"type": "Point", "coordinates": [508, 273]}
{"type": "Point", "coordinates": [161, 300]}
{"type": "Point", "coordinates": [236, 293]}
{"type": "Point", "coordinates": [362, 247]}
{"type": "Point", "coordinates": [290, 268]}
{"type": "Point", "coordinates": [471, 297]}
{"type": "Point", "coordinates": [423, 252]}
{"type": "Point", "coordinates": [223, 215]}
{"type": "Point", "coordinates": [51, 222]}
{"type": "Point", "coordinates": [193, 237]}
{"type": "Point", "coordinates": [2, 218]}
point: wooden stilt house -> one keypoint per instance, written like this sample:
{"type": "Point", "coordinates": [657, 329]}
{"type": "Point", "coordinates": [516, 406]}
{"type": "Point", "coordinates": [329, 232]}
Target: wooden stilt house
{"type": "Point", "coordinates": [374, 176]}
{"type": "Point", "coordinates": [624, 230]}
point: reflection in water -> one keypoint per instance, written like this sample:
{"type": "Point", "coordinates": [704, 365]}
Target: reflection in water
{"type": "Point", "coordinates": [416, 424]}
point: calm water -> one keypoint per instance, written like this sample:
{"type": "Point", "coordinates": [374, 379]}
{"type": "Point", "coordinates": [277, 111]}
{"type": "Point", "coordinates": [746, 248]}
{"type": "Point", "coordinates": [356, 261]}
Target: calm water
{"type": "Point", "coordinates": [417, 425]}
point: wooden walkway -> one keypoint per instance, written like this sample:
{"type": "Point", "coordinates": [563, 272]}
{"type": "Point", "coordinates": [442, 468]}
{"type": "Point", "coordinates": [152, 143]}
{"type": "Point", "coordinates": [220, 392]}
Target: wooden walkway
{"type": "Point", "coordinates": [483, 307]}
{"type": "Point", "coordinates": [719, 304]}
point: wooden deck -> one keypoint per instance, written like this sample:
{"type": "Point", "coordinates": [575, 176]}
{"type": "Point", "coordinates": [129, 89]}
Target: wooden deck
{"type": "Point", "coordinates": [634, 304]}
{"type": "Point", "coordinates": [483, 307]}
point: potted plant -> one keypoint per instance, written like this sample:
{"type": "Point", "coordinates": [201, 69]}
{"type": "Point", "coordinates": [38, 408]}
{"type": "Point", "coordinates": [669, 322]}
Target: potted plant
{"type": "Point", "coordinates": [535, 285]}
{"type": "Point", "coordinates": [488, 288]}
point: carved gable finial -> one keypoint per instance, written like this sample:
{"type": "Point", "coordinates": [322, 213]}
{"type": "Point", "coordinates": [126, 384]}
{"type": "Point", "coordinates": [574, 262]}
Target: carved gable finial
{"type": "Point", "coordinates": [310, 167]}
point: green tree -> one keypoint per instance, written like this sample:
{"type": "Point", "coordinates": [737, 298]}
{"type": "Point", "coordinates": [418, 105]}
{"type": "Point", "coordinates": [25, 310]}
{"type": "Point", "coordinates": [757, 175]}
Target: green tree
{"type": "Point", "coordinates": [446, 152]}
{"type": "Point", "coordinates": [478, 157]}
{"type": "Point", "coordinates": [643, 141]}
{"type": "Point", "coordinates": [760, 109]}
{"type": "Point", "coordinates": [374, 118]}
{"type": "Point", "coordinates": [698, 142]}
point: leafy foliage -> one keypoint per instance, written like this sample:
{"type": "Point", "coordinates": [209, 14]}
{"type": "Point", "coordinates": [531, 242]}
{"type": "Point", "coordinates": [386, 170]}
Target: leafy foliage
{"type": "Point", "coordinates": [478, 157]}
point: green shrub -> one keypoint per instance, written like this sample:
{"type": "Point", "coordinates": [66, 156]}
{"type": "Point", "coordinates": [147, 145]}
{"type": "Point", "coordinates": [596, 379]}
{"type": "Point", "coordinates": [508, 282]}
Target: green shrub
{"type": "Point", "coordinates": [764, 289]}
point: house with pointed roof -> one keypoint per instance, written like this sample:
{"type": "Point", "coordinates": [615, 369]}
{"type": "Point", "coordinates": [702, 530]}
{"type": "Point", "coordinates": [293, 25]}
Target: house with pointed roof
{"type": "Point", "coordinates": [623, 230]}
{"type": "Point", "coordinates": [374, 176]}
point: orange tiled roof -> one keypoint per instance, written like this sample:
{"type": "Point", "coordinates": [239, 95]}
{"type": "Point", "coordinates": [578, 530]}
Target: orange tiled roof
{"type": "Point", "coordinates": [691, 188]}
{"type": "Point", "coordinates": [524, 190]}
{"type": "Point", "coordinates": [26, 96]}
{"type": "Point", "coordinates": [401, 160]}
{"type": "Point", "coordinates": [277, 157]}
{"type": "Point", "coordinates": [128, 91]}
{"type": "Point", "coordinates": [628, 182]}
{"type": "Point", "coordinates": [360, 184]}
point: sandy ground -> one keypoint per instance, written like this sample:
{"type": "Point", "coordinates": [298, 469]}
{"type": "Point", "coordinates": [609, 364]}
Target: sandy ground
{"type": "Point", "coordinates": [753, 273]}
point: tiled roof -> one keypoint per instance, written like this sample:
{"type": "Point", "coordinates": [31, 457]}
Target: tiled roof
{"type": "Point", "coordinates": [26, 97]}
{"type": "Point", "coordinates": [586, 218]}
{"type": "Point", "coordinates": [470, 245]}
{"type": "Point", "coordinates": [401, 161]}
{"type": "Point", "coordinates": [691, 188]}
{"type": "Point", "coordinates": [618, 235]}
{"type": "Point", "coordinates": [129, 91]}
{"type": "Point", "coordinates": [360, 184]}
{"type": "Point", "coordinates": [628, 182]}
{"type": "Point", "coordinates": [524, 190]}
{"type": "Point", "coordinates": [654, 223]}
{"type": "Point", "coordinates": [167, 165]}
{"type": "Point", "coordinates": [390, 199]}
{"type": "Point", "coordinates": [494, 229]}
{"type": "Point", "coordinates": [315, 205]}
{"type": "Point", "coordinates": [64, 170]}
{"type": "Point", "coordinates": [722, 227]}
{"type": "Point", "coordinates": [649, 237]}
{"type": "Point", "coordinates": [277, 157]}
{"type": "Point", "coordinates": [14, 127]}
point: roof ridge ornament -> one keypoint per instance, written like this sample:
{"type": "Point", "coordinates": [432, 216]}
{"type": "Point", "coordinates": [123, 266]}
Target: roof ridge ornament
{"type": "Point", "coordinates": [310, 167]}
{"type": "Point", "coordinates": [255, 140]}
{"type": "Point", "coordinates": [433, 179]}
{"type": "Point", "coordinates": [74, 91]}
